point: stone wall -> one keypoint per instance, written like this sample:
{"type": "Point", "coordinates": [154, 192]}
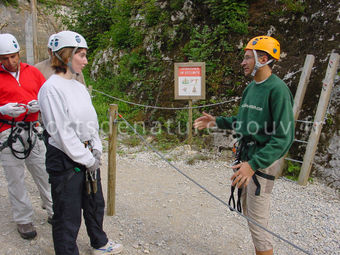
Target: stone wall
{"type": "Point", "coordinates": [16, 21]}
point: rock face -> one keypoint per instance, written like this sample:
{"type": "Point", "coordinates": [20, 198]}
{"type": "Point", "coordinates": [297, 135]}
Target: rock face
{"type": "Point", "coordinates": [313, 31]}
{"type": "Point", "coordinates": [17, 22]}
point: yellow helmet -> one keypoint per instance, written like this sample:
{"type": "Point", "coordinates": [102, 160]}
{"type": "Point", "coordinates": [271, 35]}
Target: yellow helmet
{"type": "Point", "coordinates": [265, 43]}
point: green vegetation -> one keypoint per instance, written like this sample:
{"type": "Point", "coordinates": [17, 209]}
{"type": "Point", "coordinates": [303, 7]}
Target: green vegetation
{"type": "Point", "coordinates": [198, 157]}
{"type": "Point", "coordinates": [131, 141]}
{"type": "Point", "coordinates": [165, 141]}
{"type": "Point", "coordinates": [13, 3]}
{"type": "Point", "coordinates": [329, 119]}
{"type": "Point", "coordinates": [133, 45]}
{"type": "Point", "coordinates": [231, 14]}
{"type": "Point", "coordinates": [136, 35]}
{"type": "Point", "coordinates": [289, 7]}
{"type": "Point", "coordinates": [296, 6]}
{"type": "Point", "coordinates": [293, 170]}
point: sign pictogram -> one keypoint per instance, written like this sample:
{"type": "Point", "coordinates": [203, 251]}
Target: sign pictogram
{"type": "Point", "coordinates": [190, 80]}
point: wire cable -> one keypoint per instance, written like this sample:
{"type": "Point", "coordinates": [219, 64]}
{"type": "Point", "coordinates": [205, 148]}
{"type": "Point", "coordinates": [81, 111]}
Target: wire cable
{"type": "Point", "coordinates": [207, 191]}
{"type": "Point", "coordinates": [164, 108]}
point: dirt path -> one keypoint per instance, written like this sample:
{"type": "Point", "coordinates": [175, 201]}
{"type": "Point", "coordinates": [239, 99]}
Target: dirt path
{"type": "Point", "coordinates": [158, 211]}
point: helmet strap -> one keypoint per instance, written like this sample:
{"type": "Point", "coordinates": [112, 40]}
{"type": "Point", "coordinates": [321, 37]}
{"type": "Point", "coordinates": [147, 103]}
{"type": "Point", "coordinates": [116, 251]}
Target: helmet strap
{"type": "Point", "coordinates": [69, 63]}
{"type": "Point", "coordinates": [58, 57]}
{"type": "Point", "coordinates": [258, 65]}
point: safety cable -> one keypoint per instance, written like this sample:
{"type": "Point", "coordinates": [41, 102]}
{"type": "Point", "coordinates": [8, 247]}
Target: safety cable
{"type": "Point", "coordinates": [164, 108]}
{"type": "Point", "coordinates": [207, 191]}
{"type": "Point", "coordinates": [193, 107]}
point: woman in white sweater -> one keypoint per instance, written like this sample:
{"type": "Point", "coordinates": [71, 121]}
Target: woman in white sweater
{"type": "Point", "coordinates": [73, 151]}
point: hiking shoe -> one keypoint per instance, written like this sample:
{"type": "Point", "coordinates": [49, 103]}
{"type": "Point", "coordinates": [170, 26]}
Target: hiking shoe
{"type": "Point", "coordinates": [110, 248]}
{"type": "Point", "coordinates": [27, 231]}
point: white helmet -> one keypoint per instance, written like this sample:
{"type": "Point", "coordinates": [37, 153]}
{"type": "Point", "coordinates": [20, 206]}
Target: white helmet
{"type": "Point", "coordinates": [50, 41]}
{"type": "Point", "coordinates": [8, 44]}
{"type": "Point", "coordinates": [68, 39]}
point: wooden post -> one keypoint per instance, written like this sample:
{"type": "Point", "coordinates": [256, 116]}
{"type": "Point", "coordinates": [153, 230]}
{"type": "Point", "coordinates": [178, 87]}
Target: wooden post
{"type": "Point", "coordinates": [303, 83]}
{"type": "Point", "coordinates": [314, 136]}
{"type": "Point", "coordinates": [90, 89]}
{"type": "Point", "coordinates": [299, 96]}
{"type": "Point", "coordinates": [111, 172]}
{"type": "Point", "coordinates": [34, 30]}
{"type": "Point", "coordinates": [190, 123]}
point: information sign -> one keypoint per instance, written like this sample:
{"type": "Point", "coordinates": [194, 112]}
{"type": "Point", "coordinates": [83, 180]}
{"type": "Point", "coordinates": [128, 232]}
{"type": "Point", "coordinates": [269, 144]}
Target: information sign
{"type": "Point", "coordinates": [190, 80]}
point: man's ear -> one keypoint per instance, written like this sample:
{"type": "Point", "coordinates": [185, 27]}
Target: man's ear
{"type": "Point", "coordinates": [263, 59]}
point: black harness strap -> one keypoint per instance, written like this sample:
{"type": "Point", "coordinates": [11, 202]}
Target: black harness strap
{"type": "Point", "coordinates": [16, 128]}
{"type": "Point", "coordinates": [232, 205]}
{"type": "Point", "coordinates": [256, 181]}
{"type": "Point", "coordinates": [243, 145]}
{"type": "Point", "coordinates": [266, 176]}
{"type": "Point", "coordinates": [231, 201]}
{"type": "Point", "coordinates": [258, 185]}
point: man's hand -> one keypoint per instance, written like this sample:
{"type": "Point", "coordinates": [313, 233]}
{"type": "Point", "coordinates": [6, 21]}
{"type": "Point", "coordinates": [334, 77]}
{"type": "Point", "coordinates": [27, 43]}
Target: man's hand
{"type": "Point", "coordinates": [12, 109]}
{"type": "Point", "coordinates": [243, 175]}
{"type": "Point", "coordinates": [33, 106]}
{"type": "Point", "coordinates": [206, 121]}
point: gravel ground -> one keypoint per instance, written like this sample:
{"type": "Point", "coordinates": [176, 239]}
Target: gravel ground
{"type": "Point", "coordinates": [159, 211]}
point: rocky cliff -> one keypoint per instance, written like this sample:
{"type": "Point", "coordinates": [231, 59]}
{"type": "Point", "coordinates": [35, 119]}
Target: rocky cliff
{"type": "Point", "coordinates": [314, 29]}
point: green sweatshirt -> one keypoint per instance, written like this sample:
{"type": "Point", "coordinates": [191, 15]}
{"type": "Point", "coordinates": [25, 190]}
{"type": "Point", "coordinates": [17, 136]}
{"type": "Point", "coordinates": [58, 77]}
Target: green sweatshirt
{"type": "Point", "coordinates": [265, 117]}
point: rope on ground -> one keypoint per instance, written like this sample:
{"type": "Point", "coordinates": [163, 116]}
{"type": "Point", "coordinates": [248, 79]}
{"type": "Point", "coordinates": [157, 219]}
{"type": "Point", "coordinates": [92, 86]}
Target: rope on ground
{"type": "Point", "coordinates": [207, 191]}
{"type": "Point", "coordinates": [164, 108]}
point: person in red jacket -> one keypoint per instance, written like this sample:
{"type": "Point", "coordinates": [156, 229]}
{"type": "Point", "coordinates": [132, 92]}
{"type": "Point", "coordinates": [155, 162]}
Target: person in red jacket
{"type": "Point", "coordinates": [20, 141]}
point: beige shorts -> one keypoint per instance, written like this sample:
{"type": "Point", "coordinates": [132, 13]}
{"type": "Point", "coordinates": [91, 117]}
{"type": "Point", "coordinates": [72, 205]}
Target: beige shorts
{"type": "Point", "coordinates": [257, 208]}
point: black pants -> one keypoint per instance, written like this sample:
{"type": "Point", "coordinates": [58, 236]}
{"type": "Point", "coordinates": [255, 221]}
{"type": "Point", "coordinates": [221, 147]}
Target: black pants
{"type": "Point", "coordinates": [69, 201]}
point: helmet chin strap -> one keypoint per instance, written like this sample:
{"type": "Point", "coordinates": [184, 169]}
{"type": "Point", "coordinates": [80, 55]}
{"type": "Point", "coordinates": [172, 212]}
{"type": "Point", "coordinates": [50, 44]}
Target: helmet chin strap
{"type": "Point", "coordinates": [69, 63]}
{"type": "Point", "coordinates": [258, 65]}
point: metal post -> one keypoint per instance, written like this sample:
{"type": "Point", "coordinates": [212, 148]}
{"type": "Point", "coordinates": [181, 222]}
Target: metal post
{"type": "Point", "coordinates": [111, 180]}
{"type": "Point", "coordinates": [314, 136]}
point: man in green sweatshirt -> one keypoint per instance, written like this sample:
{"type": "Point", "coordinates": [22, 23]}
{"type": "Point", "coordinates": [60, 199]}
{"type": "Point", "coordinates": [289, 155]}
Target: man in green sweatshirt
{"type": "Point", "coordinates": [265, 128]}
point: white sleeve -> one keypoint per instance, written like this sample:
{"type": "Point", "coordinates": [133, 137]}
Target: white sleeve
{"type": "Point", "coordinates": [59, 127]}
{"type": "Point", "coordinates": [97, 143]}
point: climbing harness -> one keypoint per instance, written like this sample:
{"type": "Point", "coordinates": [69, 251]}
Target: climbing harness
{"type": "Point", "coordinates": [231, 202]}
{"type": "Point", "coordinates": [258, 185]}
{"type": "Point", "coordinates": [90, 177]}
{"type": "Point", "coordinates": [91, 182]}
{"type": "Point", "coordinates": [239, 151]}
{"type": "Point", "coordinates": [15, 135]}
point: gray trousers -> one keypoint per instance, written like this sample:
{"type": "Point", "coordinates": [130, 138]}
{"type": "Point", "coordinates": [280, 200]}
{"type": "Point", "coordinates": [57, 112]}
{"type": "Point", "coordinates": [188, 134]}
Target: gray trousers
{"type": "Point", "coordinates": [15, 174]}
